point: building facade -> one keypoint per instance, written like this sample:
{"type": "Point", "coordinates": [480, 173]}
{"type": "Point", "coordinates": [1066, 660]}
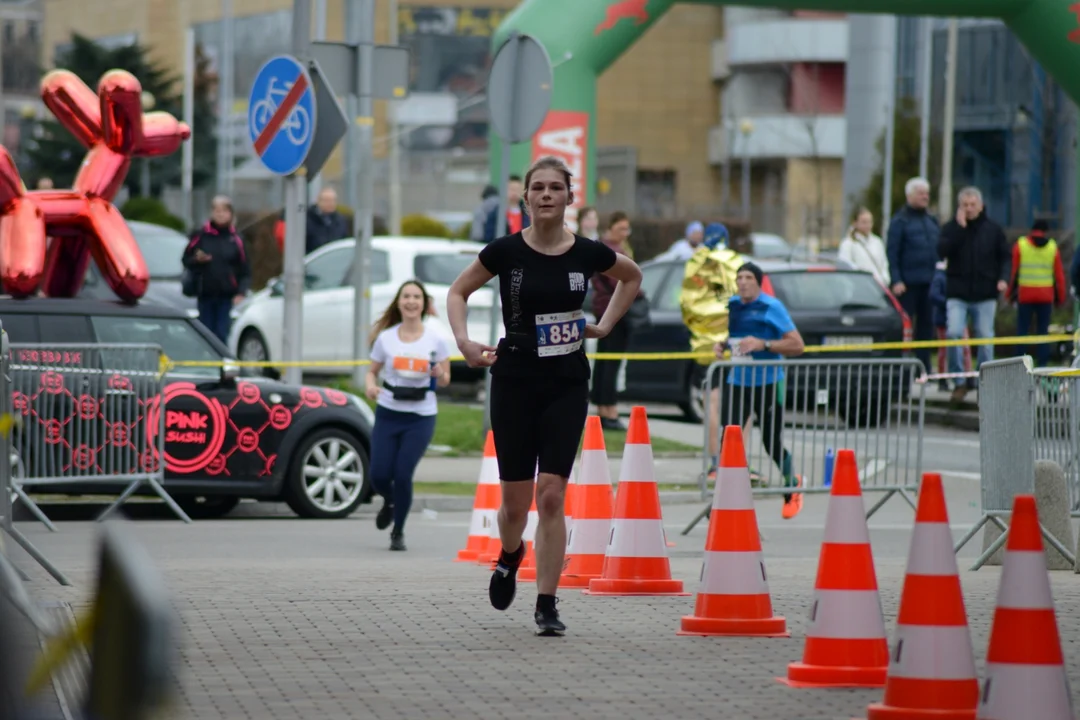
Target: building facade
{"type": "Point", "coordinates": [780, 142]}
{"type": "Point", "coordinates": [656, 104]}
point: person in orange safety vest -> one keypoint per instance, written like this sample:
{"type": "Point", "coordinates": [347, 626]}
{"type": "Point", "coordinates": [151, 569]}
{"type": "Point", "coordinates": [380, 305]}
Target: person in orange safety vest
{"type": "Point", "coordinates": [1037, 285]}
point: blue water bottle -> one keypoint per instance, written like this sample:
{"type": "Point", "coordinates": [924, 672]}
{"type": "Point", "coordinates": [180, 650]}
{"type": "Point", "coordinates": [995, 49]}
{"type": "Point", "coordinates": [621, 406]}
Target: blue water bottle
{"type": "Point", "coordinates": [431, 368]}
{"type": "Point", "coordinates": [830, 460]}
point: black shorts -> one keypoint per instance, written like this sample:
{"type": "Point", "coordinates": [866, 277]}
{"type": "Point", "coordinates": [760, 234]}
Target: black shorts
{"type": "Point", "coordinates": [537, 424]}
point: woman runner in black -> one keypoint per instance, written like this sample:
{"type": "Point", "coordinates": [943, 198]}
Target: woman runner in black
{"type": "Point", "coordinates": [539, 372]}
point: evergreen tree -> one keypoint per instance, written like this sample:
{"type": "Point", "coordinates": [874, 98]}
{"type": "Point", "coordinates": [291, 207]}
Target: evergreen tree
{"type": "Point", "coordinates": [905, 161]}
{"type": "Point", "coordinates": [55, 153]}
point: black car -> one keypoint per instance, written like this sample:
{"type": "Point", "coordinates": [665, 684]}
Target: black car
{"type": "Point", "coordinates": [163, 249]}
{"type": "Point", "coordinates": [227, 436]}
{"type": "Point", "coordinates": [829, 304]}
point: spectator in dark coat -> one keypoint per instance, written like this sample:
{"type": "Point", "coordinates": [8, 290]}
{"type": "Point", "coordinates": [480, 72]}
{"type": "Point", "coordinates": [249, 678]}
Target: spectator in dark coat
{"type": "Point", "coordinates": [517, 218]}
{"type": "Point", "coordinates": [912, 249]}
{"type": "Point", "coordinates": [979, 258]}
{"type": "Point", "coordinates": [217, 258]}
{"type": "Point", "coordinates": [324, 223]}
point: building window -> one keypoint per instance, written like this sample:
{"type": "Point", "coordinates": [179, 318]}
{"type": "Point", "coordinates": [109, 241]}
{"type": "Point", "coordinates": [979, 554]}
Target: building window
{"type": "Point", "coordinates": [32, 31]}
{"type": "Point", "coordinates": [9, 31]}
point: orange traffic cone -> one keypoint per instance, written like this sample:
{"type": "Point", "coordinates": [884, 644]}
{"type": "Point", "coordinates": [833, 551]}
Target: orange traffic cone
{"type": "Point", "coordinates": [636, 561]}
{"type": "Point", "coordinates": [485, 505]}
{"type": "Point", "coordinates": [592, 508]}
{"type": "Point", "coordinates": [845, 642]}
{"type": "Point", "coordinates": [734, 594]}
{"type": "Point", "coordinates": [932, 669]}
{"type": "Point", "coordinates": [1025, 673]}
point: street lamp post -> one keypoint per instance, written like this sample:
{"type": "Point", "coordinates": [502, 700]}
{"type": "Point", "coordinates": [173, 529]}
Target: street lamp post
{"type": "Point", "coordinates": [148, 101]}
{"type": "Point", "coordinates": [746, 127]}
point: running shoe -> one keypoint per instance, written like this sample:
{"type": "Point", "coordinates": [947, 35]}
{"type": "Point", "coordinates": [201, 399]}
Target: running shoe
{"type": "Point", "coordinates": [547, 619]}
{"type": "Point", "coordinates": [503, 584]}
{"type": "Point", "coordinates": [793, 502]}
{"type": "Point", "coordinates": [397, 541]}
{"type": "Point", "coordinates": [385, 516]}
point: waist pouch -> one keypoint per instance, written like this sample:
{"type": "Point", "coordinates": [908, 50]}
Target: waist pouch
{"type": "Point", "coordinates": [403, 392]}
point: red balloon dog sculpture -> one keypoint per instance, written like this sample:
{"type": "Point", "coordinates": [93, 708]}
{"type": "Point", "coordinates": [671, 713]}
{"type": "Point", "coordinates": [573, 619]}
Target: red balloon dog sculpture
{"type": "Point", "coordinates": [82, 222]}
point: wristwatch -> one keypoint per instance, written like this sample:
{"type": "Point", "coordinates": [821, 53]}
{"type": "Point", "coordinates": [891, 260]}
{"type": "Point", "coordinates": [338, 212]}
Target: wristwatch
{"type": "Point", "coordinates": [768, 345]}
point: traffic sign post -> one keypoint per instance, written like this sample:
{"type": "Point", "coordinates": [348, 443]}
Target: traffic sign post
{"type": "Point", "coordinates": [363, 72]}
{"type": "Point", "coordinates": [281, 114]}
{"type": "Point", "coordinates": [519, 97]}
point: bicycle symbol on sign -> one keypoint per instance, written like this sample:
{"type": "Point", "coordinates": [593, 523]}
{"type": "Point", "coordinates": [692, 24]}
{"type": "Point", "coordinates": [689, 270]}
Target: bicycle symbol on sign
{"type": "Point", "coordinates": [297, 126]}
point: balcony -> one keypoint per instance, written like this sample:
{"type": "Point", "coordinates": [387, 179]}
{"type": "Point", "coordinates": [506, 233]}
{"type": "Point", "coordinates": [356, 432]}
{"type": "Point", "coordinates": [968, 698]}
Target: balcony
{"type": "Point", "coordinates": [781, 137]}
{"type": "Point", "coordinates": [787, 40]}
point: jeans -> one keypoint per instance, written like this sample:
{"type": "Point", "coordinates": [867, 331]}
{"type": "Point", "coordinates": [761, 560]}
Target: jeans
{"type": "Point", "coordinates": [398, 442]}
{"type": "Point", "coordinates": [982, 317]}
{"type": "Point", "coordinates": [917, 305]}
{"type": "Point", "coordinates": [1040, 313]}
{"type": "Point", "coordinates": [214, 314]}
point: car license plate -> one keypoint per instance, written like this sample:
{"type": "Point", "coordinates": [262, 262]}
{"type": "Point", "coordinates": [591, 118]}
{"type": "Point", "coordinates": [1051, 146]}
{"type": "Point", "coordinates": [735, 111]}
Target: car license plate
{"type": "Point", "coordinates": [847, 340]}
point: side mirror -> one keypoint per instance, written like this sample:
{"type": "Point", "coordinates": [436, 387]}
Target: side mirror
{"type": "Point", "coordinates": [277, 286]}
{"type": "Point", "coordinates": [229, 371]}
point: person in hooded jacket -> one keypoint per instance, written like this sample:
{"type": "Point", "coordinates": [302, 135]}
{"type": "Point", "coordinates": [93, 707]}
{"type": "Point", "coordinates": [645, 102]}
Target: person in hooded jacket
{"type": "Point", "coordinates": [978, 257]}
{"type": "Point", "coordinates": [1037, 285]}
{"type": "Point", "coordinates": [222, 276]}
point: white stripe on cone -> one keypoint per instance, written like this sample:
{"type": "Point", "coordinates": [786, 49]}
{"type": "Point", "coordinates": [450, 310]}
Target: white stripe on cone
{"type": "Point", "coordinates": [637, 464]}
{"type": "Point", "coordinates": [481, 522]}
{"type": "Point", "coordinates": [846, 614]}
{"type": "Point", "coordinates": [733, 489]}
{"type": "Point", "coordinates": [489, 471]}
{"type": "Point", "coordinates": [928, 555]}
{"type": "Point", "coordinates": [932, 653]}
{"type": "Point", "coordinates": [845, 521]}
{"type": "Point", "coordinates": [594, 468]}
{"type": "Point", "coordinates": [637, 539]}
{"type": "Point", "coordinates": [1028, 587]}
{"type": "Point", "coordinates": [1012, 692]}
{"type": "Point", "coordinates": [733, 573]}
{"type": "Point", "coordinates": [589, 537]}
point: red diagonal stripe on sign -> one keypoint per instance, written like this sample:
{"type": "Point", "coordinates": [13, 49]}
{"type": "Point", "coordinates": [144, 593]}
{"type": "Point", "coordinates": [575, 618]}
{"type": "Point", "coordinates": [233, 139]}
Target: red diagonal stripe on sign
{"type": "Point", "coordinates": [267, 135]}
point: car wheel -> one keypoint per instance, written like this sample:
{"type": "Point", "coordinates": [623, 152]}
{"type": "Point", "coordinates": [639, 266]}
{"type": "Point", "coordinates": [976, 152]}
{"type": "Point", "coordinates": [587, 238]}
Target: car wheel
{"type": "Point", "coordinates": [693, 407]}
{"type": "Point", "coordinates": [207, 507]}
{"type": "Point", "coordinates": [327, 475]}
{"type": "Point", "coordinates": [252, 348]}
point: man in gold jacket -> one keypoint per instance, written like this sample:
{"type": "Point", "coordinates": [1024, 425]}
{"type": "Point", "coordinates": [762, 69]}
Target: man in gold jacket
{"type": "Point", "coordinates": [708, 285]}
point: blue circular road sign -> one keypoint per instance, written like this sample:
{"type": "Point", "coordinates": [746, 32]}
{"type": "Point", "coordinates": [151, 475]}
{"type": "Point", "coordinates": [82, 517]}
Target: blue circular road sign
{"type": "Point", "coordinates": [281, 114]}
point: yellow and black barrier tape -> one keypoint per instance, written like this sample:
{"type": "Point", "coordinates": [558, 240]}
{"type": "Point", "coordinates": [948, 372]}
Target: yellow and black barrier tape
{"type": "Point", "coordinates": [167, 363]}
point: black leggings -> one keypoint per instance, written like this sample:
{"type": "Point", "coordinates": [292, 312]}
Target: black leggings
{"type": "Point", "coordinates": [537, 423]}
{"type": "Point", "coordinates": [736, 404]}
{"type": "Point", "coordinates": [606, 372]}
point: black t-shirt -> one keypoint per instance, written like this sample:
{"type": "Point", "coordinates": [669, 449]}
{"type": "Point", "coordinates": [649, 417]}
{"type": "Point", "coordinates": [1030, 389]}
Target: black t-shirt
{"type": "Point", "coordinates": [542, 297]}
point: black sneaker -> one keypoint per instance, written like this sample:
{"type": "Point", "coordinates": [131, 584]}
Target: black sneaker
{"type": "Point", "coordinates": [547, 618]}
{"type": "Point", "coordinates": [503, 584]}
{"type": "Point", "coordinates": [385, 516]}
{"type": "Point", "coordinates": [397, 541]}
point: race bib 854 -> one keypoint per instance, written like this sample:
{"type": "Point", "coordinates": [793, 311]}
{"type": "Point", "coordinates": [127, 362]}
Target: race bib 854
{"type": "Point", "coordinates": [560, 333]}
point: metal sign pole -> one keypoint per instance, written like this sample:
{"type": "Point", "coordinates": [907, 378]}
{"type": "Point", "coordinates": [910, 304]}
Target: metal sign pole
{"type": "Point", "coordinates": [496, 316]}
{"type": "Point", "coordinates": [295, 226]}
{"type": "Point", "coordinates": [363, 220]}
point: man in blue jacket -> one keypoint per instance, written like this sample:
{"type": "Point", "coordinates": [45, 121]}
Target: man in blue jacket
{"type": "Point", "coordinates": [912, 248]}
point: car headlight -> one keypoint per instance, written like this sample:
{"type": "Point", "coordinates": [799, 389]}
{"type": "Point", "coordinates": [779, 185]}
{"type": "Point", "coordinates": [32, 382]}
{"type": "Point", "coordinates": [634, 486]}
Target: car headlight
{"type": "Point", "coordinates": [362, 407]}
{"type": "Point", "coordinates": [193, 313]}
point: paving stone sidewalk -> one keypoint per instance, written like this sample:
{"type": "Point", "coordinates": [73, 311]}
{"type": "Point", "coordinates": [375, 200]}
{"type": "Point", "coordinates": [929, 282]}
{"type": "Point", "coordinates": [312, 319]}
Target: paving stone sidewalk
{"type": "Point", "coordinates": [296, 619]}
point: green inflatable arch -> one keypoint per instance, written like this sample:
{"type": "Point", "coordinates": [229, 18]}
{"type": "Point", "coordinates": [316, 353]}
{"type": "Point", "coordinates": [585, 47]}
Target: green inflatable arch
{"type": "Point", "coordinates": [584, 37]}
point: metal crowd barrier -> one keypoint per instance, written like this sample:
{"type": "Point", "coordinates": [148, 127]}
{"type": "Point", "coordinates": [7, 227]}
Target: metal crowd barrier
{"type": "Point", "coordinates": [9, 489]}
{"type": "Point", "coordinates": [873, 407]}
{"type": "Point", "coordinates": [1023, 417]}
{"type": "Point", "coordinates": [89, 414]}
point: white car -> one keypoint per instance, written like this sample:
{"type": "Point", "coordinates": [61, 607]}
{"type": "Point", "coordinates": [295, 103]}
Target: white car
{"type": "Point", "coordinates": [328, 324]}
